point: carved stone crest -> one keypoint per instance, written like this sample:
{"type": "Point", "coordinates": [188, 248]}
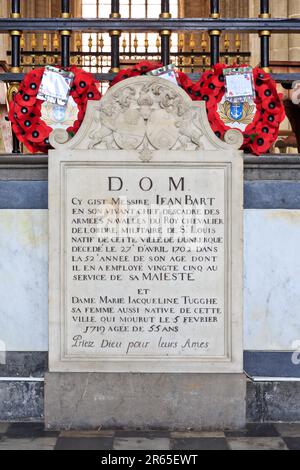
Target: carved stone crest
{"type": "Point", "coordinates": [146, 114]}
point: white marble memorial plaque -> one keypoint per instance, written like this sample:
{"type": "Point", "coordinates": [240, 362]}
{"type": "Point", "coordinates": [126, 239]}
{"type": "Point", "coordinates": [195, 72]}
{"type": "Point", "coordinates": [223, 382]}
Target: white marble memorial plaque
{"type": "Point", "coordinates": [145, 237]}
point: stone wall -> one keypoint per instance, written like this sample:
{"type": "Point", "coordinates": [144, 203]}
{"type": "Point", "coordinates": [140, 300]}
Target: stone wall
{"type": "Point", "coordinates": [272, 231]}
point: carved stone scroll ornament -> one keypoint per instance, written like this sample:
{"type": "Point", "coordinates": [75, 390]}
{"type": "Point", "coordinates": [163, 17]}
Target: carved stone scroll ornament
{"type": "Point", "coordinates": [146, 114]}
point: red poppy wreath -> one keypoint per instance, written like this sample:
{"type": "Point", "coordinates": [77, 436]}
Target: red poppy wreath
{"type": "Point", "coordinates": [263, 125]}
{"type": "Point", "coordinates": [25, 111]}
{"type": "Point", "coordinates": [262, 130]}
{"type": "Point", "coordinates": [259, 134]}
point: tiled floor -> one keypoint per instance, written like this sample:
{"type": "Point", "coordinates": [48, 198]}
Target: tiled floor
{"type": "Point", "coordinates": [31, 436]}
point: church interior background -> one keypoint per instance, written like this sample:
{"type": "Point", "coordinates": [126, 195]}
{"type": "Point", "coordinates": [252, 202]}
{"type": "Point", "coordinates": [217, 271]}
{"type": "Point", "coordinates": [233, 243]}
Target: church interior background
{"type": "Point", "coordinates": [35, 33]}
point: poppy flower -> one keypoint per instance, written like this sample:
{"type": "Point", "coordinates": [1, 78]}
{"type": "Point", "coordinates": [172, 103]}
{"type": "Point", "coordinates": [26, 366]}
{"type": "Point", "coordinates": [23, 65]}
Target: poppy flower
{"type": "Point", "coordinates": [32, 80]}
{"type": "Point", "coordinates": [21, 111]}
{"type": "Point", "coordinates": [264, 129]}
{"type": "Point", "coordinates": [196, 92]}
{"type": "Point", "coordinates": [204, 77]}
{"type": "Point", "coordinates": [93, 93]}
{"type": "Point", "coordinates": [24, 99]}
{"type": "Point", "coordinates": [209, 98]}
{"type": "Point", "coordinates": [82, 82]}
{"type": "Point", "coordinates": [40, 132]}
{"type": "Point", "coordinates": [28, 123]}
{"type": "Point", "coordinates": [260, 144]}
{"type": "Point", "coordinates": [272, 105]}
{"type": "Point", "coordinates": [218, 80]}
{"type": "Point", "coordinates": [31, 90]}
{"type": "Point", "coordinates": [212, 88]}
{"type": "Point", "coordinates": [260, 74]}
{"type": "Point", "coordinates": [259, 80]}
{"type": "Point", "coordinates": [266, 90]}
{"type": "Point", "coordinates": [274, 116]}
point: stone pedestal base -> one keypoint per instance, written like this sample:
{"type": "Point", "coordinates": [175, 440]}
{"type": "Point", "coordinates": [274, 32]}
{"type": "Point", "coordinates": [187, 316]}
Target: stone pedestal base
{"type": "Point", "coordinates": [144, 401]}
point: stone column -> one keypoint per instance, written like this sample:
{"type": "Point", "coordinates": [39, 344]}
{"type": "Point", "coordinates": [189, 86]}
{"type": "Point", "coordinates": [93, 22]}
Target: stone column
{"type": "Point", "coordinates": [254, 43]}
{"type": "Point", "coordinates": [279, 42]}
{"type": "Point", "coordinates": [4, 13]}
{"type": "Point", "coordinates": [76, 8]}
{"type": "Point", "coordinates": [28, 9]}
{"type": "Point", "coordinates": [294, 39]}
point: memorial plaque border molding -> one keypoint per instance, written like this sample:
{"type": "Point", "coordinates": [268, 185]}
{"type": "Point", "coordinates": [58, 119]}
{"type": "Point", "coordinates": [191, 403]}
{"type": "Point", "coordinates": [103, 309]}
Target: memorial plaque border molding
{"type": "Point", "coordinates": [208, 152]}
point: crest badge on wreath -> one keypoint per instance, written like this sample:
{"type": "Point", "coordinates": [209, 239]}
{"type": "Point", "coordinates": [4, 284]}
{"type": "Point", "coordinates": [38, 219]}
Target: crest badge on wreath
{"type": "Point", "coordinates": [237, 115]}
